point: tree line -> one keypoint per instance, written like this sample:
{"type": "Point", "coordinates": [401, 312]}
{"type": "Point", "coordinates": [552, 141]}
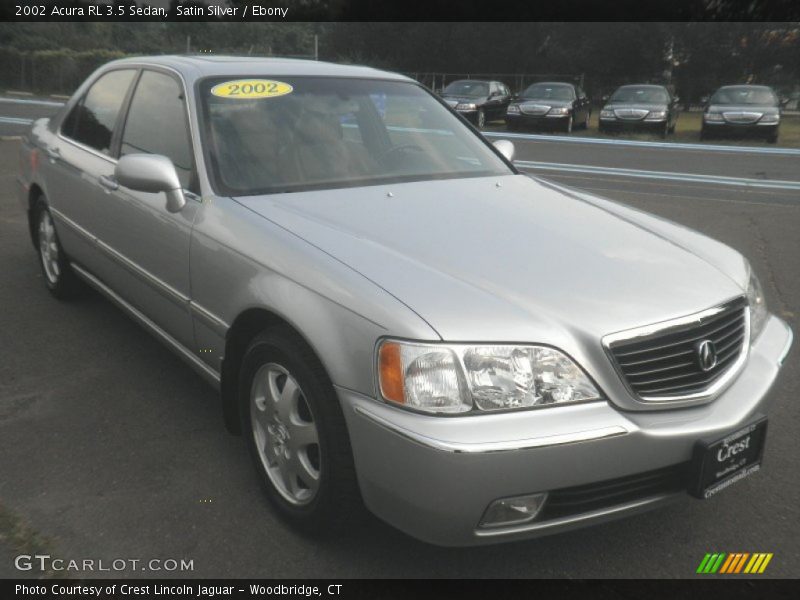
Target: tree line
{"type": "Point", "coordinates": [694, 57]}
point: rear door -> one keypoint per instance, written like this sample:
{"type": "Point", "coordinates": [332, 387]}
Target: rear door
{"type": "Point", "coordinates": [149, 244]}
{"type": "Point", "coordinates": [80, 164]}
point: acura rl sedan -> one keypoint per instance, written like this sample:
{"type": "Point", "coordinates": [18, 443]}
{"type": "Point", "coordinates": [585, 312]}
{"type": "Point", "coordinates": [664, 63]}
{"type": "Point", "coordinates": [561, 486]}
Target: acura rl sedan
{"type": "Point", "coordinates": [550, 105]}
{"type": "Point", "coordinates": [640, 107]}
{"type": "Point", "coordinates": [741, 110]}
{"type": "Point", "coordinates": [394, 316]}
{"type": "Point", "coordinates": [478, 101]}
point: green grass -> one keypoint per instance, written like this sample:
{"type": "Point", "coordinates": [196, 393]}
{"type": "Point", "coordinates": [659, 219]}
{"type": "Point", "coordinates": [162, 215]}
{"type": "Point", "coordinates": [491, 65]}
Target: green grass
{"type": "Point", "coordinates": [688, 131]}
{"type": "Point", "coordinates": [21, 538]}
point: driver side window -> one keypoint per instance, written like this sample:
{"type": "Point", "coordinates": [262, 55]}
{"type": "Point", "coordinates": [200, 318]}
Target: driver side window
{"type": "Point", "coordinates": [157, 124]}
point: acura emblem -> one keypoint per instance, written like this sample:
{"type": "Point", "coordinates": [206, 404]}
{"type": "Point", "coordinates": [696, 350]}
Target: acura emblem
{"type": "Point", "coordinates": [706, 355]}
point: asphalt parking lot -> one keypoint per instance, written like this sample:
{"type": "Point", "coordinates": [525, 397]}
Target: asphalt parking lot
{"type": "Point", "coordinates": [111, 448]}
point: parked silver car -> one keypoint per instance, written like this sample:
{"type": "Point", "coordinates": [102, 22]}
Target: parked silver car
{"type": "Point", "coordinates": [392, 312]}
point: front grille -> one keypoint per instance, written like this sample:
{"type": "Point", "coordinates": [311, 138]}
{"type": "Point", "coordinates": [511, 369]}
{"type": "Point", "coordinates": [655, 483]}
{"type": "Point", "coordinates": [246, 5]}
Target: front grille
{"type": "Point", "coordinates": [666, 364]}
{"type": "Point", "coordinates": [742, 117]}
{"type": "Point", "coordinates": [613, 492]}
{"type": "Point", "coordinates": [534, 109]}
{"type": "Point", "coordinates": [631, 114]}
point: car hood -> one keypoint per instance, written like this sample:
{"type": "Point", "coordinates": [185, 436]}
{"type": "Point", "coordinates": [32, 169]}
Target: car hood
{"type": "Point", "coordinates": [544, 102]}
{"type": "Point", "coordinates": [636, 105]}
{"type": "Point", "coordinates": [453, 100]}
{"type": "Point", "coordinates": [506, 258]}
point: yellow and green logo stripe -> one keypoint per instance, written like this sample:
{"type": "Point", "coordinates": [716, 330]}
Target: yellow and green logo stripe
{"type": "Point", "coordinates": [734, 563]}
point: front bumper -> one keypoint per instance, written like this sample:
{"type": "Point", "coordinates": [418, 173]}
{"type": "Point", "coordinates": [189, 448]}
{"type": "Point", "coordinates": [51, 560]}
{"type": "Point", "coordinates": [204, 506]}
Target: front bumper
{"type": "Point", "coordinates": [724, 128]}
{"type": "Point", "coordinates": [433, 477]}
{"type": "Point", "coordinates": [545, 120]}
{"type": "Point", "coordinates": [623, 125]}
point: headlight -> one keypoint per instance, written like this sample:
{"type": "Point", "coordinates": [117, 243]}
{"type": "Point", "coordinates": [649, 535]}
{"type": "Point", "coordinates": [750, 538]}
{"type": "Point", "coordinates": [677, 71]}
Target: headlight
{"type": "Point", "coordinates": [713, 117]}
{"type": "Point", "coordinates": [558, 110]}
{"type": "Point", "coordinates": [459, 378]}
{"type": "Point", "coordinates": [607, 114]}
{"type": "Point", "coordinates": [758, 306]}
{"type": "Point", "coordinates": [512, 109]}
{"type": "Point", "coordinates": [465, 106]}
{"type": "Point", "coordinates": [656, 115]}
{"type": "Point", "coordinates": [770, 118]}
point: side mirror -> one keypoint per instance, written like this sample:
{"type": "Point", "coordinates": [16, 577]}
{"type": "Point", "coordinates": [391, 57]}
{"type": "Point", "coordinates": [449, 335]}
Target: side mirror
{"type": "Point", "coordinates": [151, 173]}
{"type": "Point", "coordinates": [505, 148]}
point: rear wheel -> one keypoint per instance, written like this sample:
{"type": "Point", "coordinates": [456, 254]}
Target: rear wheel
{"type": "Point", "coordinates": [58, 276]}
{"type": "Point", "coordinates": [296, 434]}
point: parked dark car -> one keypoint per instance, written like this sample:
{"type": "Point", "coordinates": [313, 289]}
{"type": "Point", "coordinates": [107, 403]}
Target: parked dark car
{"type": "Point", "coordinates": [477, 100]}
{"type": "Point", "coordinates": [550, 104]}
{"type": "Point", "coordinates": [742, 110]}
{"type": "Point", "coordinates": [646, 107]}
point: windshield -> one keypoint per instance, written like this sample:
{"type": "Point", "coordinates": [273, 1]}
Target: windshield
{"type": "Point", "coordinates": [330, 132]}
{"type": "Point", "coordinates": [744, 95]}
{"type": "Point", "coordinates": [543, 91]}
{"type": "Point", "coordinates": [467, 88]}
{"type": "Point", "coordinates": [647, 95]}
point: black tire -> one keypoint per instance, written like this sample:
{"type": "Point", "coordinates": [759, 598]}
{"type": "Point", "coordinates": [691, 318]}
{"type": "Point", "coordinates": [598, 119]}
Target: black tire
{"type": "Point", "coordinates": [568, 126]}
{"type": "Point", "coordinates": [59, 277]}
{"type": "Point", "coordinates": [773, 139]}
{"type": "Point", "coordinates": [337, 502]}
{"type": "Point", "coordinates": [513, 126]}
{"type": "Point", "coordinates": [586, 120]}
{"type": "Point", "coordinates": [480, 119]}
{"type": "Point", "coordinates": [665, 131]}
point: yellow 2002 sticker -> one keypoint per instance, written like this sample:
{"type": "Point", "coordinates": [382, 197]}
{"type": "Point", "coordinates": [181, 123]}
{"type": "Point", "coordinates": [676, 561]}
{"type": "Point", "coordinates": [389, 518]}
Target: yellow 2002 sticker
{"type": "Point", "coordinates": [247, 89]}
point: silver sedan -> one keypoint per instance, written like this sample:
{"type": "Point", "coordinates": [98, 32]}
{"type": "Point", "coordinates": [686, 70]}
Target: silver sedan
{"type": "Point", "coordinates": [394, 315]}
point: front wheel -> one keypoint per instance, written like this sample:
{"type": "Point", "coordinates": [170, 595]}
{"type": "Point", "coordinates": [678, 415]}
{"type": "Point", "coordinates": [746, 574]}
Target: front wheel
{"type": "Point", "coordinates": [296, 434]}
{"type": "Point", "coordinates": [568, 126]}
{"type": "Point", "coordinates": [58, 276]}
{"type": "Point", "coordinates": [481, 119]}
{"type": "Point", "coordinates": [773, 138]}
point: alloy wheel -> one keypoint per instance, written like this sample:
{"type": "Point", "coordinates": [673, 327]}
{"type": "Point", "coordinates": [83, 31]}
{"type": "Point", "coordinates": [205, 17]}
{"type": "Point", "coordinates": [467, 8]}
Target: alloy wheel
{"type": "Point", "coordinates": [48, 248]}
{"type": "Point", "coordinates": [285, 434]}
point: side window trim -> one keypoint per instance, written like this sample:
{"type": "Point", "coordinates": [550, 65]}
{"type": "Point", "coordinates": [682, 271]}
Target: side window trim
{"type": "Point", "coordinates": [194, 182]}
{"type": "Point", "coordinates": [122, 118]}
{"type": "Point", "coordinates": [110, 157]}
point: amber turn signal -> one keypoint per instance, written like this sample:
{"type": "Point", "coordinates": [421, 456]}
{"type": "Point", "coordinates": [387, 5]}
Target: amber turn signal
{"type": "Point", "coordinates": [390, 368]}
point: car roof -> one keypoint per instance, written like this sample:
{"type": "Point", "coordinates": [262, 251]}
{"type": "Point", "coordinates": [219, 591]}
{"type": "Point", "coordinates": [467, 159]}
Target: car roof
{"type": "Point", "coordinates": [745, 85]}
{"type": "Point", "coordinates": [564, 83]}
{"type": "Point", "coordinates": [197, 66]}
{"type": "Point", "coordinates": [473, 81]}
{"type": "Point", "coordinates": [644, 85]}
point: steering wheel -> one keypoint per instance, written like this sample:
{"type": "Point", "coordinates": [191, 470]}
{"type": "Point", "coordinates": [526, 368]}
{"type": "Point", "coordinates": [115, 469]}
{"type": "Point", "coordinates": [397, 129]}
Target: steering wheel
{"type": "Point", "coordinates": [400, 148]}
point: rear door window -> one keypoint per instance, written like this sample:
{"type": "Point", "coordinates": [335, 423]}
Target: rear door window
{"type": "Point", "coordinates": [93, 119]}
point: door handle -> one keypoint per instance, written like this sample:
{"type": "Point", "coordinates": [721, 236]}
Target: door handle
{"type": "Point", "coordinates": [109, 183]}
{"type": "Point", "coordinates": [53, 152]}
